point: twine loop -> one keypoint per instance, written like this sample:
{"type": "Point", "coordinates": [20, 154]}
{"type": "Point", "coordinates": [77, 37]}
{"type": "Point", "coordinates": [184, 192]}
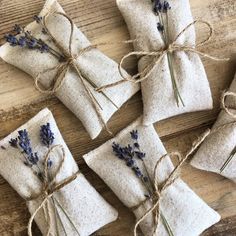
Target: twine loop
{"type": "Point", "coordinates": [159, 189]}
{"type": "Point", "coordinates": [49, 187]}
{"type": "Point", "coordinates": [69, 60]}
{"type": "Point", "coordinates": [161, 53]}
{"type": "Point", "coordinates": [223, 105]}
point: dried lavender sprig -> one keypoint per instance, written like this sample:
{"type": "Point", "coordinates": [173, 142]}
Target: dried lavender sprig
{"type": "Point", "coordinates": [135, 136]}
{"type": "Point", "coordinates": [29, 41]}
{"type": "Point", "coordinates": [141, 155]}
{"type": "Point", "coordinates": [159, 9]}
{"type": "Point", "coordinates": [22, 142]}
{"type": "Point", "coordinates": [126, 154]}
{"type": "Point", "coordinates": [46, 135]}
{"type": "Point", "coordinates": [228, 160]}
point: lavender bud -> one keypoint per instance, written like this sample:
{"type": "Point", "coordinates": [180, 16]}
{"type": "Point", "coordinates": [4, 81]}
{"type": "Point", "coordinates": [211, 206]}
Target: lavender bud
{"type": "Point", "coordinates": [38, 19]}
{"type": "Point", "coordinates": [134, 134]}
{"type": "Point", "coordinates": [46, 135]}
{"type": "Point", "coordinates": [160, 27]}
{"type": "Point", "coordinates": [13, 142]}
{"type": "Point", "coordinates": [17, 29]}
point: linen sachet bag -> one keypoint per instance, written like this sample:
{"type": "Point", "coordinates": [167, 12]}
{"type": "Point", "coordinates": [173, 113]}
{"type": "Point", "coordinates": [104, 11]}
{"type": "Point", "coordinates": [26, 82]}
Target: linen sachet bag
{"type": "Point", "coordinates": [175, 82]}
{"type": "Point", "coordinates": [37, 163]}
{"type": "Point", "coordinates": [128, 164]}
{"type": "Point", "coordinates": [217, 153]}
{"type": "Point", "coordinates": [73, 76]}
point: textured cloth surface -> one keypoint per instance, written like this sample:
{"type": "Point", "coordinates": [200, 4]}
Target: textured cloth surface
{"type": "Point", "coordinates": [158, 96]}
{"type": "Point", "coordinates": [185, 212]}
{"type": "Point", "coordinates": [88, 210]}
{"type": "Point", "coordinates": [93, 64]}
{"type": "Point", "coordinates": [217, 147]}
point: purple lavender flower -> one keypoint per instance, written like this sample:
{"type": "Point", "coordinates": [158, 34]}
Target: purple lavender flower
{"type": "Point", "coordinates": [134, 134]}
{"type": "Point", "coordinates": [130, 162]}
{"type": "Point", "coordinates": [166, 6]}
{"type": "Point", "coordinates": [46, 135]}
{"type": "Point", "coordinates": [22, 41]}
{"type": "Point", "coordinates": [138, 172]}
{"type": "Point", "coordinates": [11, 39]}
{"type": "Point", "coordinates": [47, 138]}
{"type": "Point", "coordinates": [24, 142]}
{"type": "Point", "coordinates": [31, 43]}
{"type": "Point", "coordinates": [140, 155]}
{"type": "Point", "coordinates": [33, 158]}
{"type": "Point", "coordinates": [25, 145]}
{"type": "Point", "coordinates": [119, 152]}
{"type": "Point", "coordinates": [13, 142]}
{"type": "Point", "coordinates": [27, 40]}
{"type": "Point", "coordinates": [44, 48]}
{"type": "Point", "coordinates": [160, 27]}
{"type": "Point", "coordinates": [127, 154]}
{"type": "Point", "coordinates": [38, 19]}
{"type": "Point", "coordinates": [17, 28]}
{"type": "Point", "coordinates": [49, 163]}
{"type": "Point", "coordinates": [159, 6]}
{"type": "Point", "coordinates": [44, 31]}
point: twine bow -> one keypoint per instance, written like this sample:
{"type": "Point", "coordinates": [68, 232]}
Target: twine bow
{"type": "Point", "coordinates": [69, 60]}
{"type": "Point", "coordinates": [50, 186]}
{"type": "Point", "coordinates": [161, 53]}
{"type": "Point", "coordinates": [159, 189]}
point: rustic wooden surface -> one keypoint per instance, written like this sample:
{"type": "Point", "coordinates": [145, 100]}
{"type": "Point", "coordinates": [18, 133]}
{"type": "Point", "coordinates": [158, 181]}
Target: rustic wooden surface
{"type": "Point", "coordinates": [100, 20]}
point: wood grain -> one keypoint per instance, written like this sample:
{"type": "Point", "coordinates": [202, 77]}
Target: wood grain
{"type": "Point", "coordinates": [101, 21]}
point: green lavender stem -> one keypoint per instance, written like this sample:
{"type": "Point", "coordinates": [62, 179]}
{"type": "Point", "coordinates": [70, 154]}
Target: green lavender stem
{"type": "Point", "coordinates": [229, 159]}
{"type": "Point", "coordinates": [55, 201]}
{"type": "Point", "coordinates": [166, 224]}
{"type": "Point", "coordinates": [58, 216]}
{"type": "Point", "coordinates": [66, 214]}
{"type": "Point", "coordinates": [59, 56]}
{"type": "Point", "coordinates": [170, 64]}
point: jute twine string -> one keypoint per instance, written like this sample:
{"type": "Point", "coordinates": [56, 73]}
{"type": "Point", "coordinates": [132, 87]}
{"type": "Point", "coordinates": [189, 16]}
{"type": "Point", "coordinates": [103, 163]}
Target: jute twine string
{"type": "Point", "coordinates": [174, 175]}
{"type": "Point", "coordinates": [161, 53]}
{"type": "Point", "coordinates": [224, 107]}
{"type": "Point", "coordinates": [160, 188]}
{"type": "Point", "coordinates": [49, 187]}
{"type": "Point", "coordinates": [69, 60]}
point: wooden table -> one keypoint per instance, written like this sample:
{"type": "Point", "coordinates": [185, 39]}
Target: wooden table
{"type": "Point", "coordinates": [101, 21]}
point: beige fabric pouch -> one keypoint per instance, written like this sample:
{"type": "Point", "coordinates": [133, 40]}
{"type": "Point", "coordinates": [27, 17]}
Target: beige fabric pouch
{"type": "Point", "coordinates": [85, 207]}
{"type": "Point", "coordinates": [184, 211]}
{"type": "Point", "coordinates": [93, 65]}
{"type": "Point", "coordinates": [158, 95]}
{"type": "Point", "coordinates": [220, 143]}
